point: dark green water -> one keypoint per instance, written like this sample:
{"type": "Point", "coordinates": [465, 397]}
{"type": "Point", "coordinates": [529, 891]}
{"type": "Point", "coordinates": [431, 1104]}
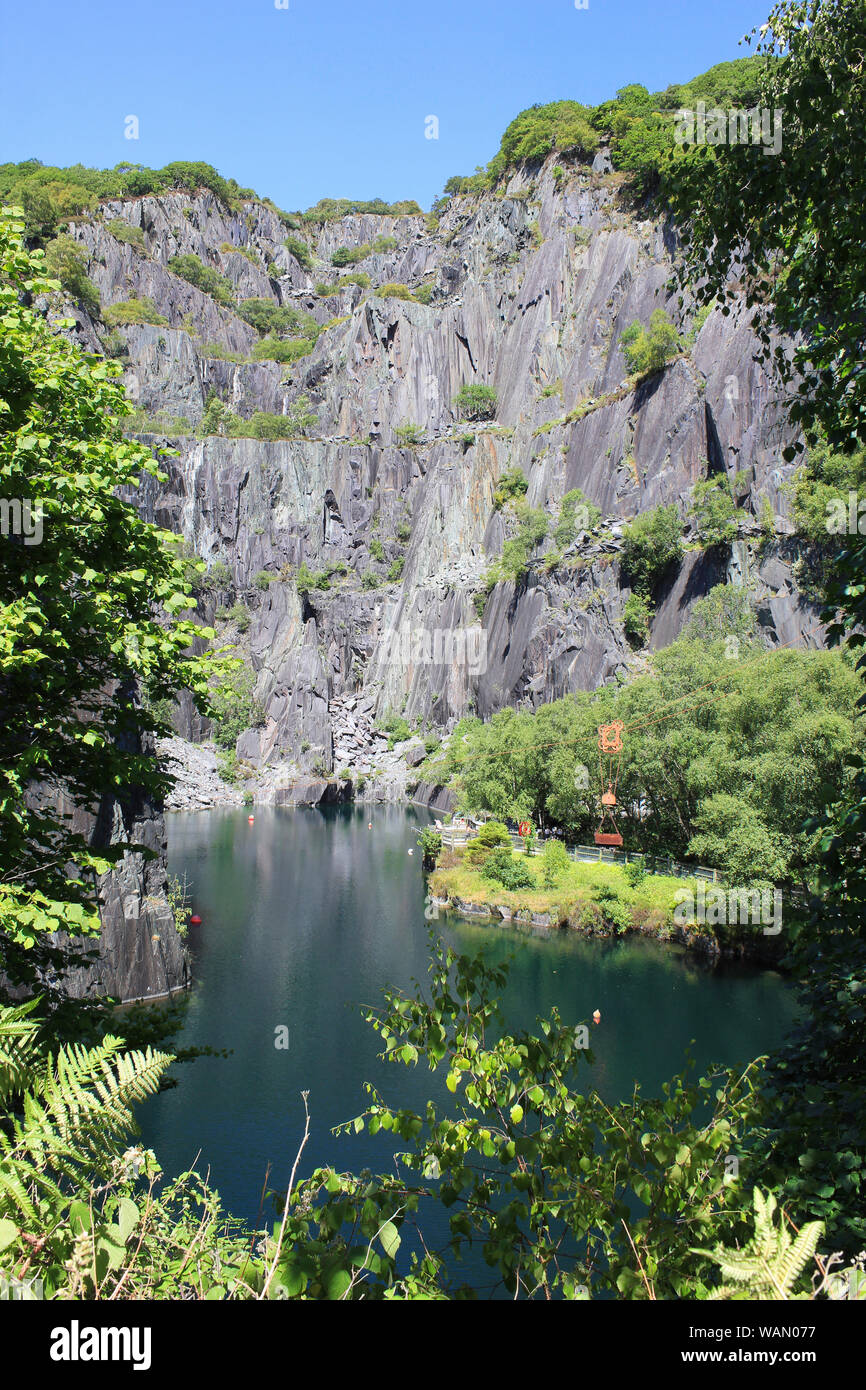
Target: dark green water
{"type": "Point", "coordinates": [307, 915]}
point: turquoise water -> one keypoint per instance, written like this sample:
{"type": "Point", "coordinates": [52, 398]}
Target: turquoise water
{"type": "Point", "coordinates": [307, 915]}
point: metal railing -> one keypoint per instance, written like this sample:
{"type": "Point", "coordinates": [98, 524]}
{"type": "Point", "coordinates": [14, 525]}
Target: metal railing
{"type": "Point", "coordinates": [458, 838]}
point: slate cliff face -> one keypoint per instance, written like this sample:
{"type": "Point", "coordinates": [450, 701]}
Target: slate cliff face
{"type": "Point", "coordinates": [531, 291]}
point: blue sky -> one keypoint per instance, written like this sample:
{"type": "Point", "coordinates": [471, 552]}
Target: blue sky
{"type": "Point", "coordinates": [328, 98]}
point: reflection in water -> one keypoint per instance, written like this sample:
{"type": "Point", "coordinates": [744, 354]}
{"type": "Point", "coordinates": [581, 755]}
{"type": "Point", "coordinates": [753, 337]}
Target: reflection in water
{"type": "Point", "coordinates": [308, 914]}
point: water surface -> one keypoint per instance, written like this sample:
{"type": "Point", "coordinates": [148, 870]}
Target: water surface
{"type": "Point", "coordinates": [308, 914]}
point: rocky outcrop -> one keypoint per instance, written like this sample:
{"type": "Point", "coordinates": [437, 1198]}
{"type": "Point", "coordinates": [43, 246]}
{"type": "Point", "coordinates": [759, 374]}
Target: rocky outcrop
{"type": "Point", "coordinates": [529, 292]}
{"type": "Point", "coordinates": [139, 954]}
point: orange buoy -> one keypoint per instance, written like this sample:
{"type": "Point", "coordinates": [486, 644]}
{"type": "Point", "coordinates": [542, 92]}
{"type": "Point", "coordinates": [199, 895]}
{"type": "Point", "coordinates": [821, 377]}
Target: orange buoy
{"type": "Point", "coordinates": [195, 920]}
{"type": "Point", "coordinates": [369, 825]}
{"type": "Point", "coordinates": [596, 1018]}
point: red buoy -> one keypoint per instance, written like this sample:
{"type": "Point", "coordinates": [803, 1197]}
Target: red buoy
{"type": "Point", "coordinates": [250, 819]}
{"type": "Point", "coordinates": [195, 920]}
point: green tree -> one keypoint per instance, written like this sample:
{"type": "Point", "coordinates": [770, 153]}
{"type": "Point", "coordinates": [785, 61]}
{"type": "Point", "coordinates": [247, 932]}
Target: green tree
{"type": "Point", "coordinates": [651, 545]}
{"type": "Point", "coordinates": [647, 350]}
{"type": "Point", "coordinates": [91, 615]}
{"type": "Point", "coordinates": [66, 261]}
{"type": "Point", "coordinates": [714, 511]}
{"type": "Point", "coordinates": [474, 401]}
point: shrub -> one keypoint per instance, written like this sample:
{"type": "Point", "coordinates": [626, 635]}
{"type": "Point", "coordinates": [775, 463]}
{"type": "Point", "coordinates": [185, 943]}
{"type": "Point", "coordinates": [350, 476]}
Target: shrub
{"type": "Point", "coordinates": [396, 568]}
{"type": "Point", "coordinates": [575, 514]}
{"type": "Point", "coordinates": [219, 576]}
{"type": "Point", "coordinates": [409, 434]}
{"type": "Point", "coordinates": [648, 350]}
{"type": "Point", "coordinates": [492, 835]}
{"type": "Point", "coordinates": [555, 863]}
{"type": "Point", "coordinates": [278, 320]}
{"type": "Point", "coordinates": [512, 484]}
{"type": "Point", "coordinates": [281, 349]}
{"type": "Point", "coordinates": [190, 268]}
{"type": "Point", "coordinates": [396, 728]}
{"type": "Point", "coordinates": [66, 261]}
{"type": "Point", "coordinates": [636, 619]}
{"type": "Point", "coordinates": [300, 250]}
{"type": "Point", "coordinates": [394, 290]}
{"type": "Point", "coordinates": [430, 844]}
{"type": "Point", "coordinates": [369, 580]}
{"type": "Point", "coordinates": [377, 550]}
{"type": "Point", "coordinates": [126, 233]}
{"type": "Point", "coordinates": [234, 707]}
{"type": "Point", "coordinates": [613, 909]}
{"type": "Point", "coordinates": [476, 402]}
{"type": "Point", "coordinates": [263, 579]}
{"type": "Point", "coordinates": [714, 510]}
{"type": "Point", "coordinates": [501, 867]}
{"type": "Point", "coordinates": [239, 615]}
{"type": "Point", "coordinates": [651, 544]}
{"type": "Point", "coordinates": [423, 293]}
{"type": "Point", "coordinates": [404, 531]}
{"type": "Point", "coordinates": [229, 250]}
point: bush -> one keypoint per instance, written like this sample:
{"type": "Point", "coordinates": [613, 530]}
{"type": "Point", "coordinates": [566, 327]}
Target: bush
{"type": "Point", "coordinates": [229, 250]}
{"type": "Point", "coordinates": [430, 844]}
{"type": "Point", "coordinates": [636, 617]}
{"type": "Point", "coordinates": [714, 510]}
{"type": "Point", "coordinates": [555, 863]}
{"type": "Point", "coordinates": [476, 402]}
{"type": "Point", "coordinates": [377, 550]}
{"type": "Point", "coordinates": [396, 568]}
{"type": "Point", "coordinates": [278, 320]}
{"type": "Point", "coordinates": [263, 579]}
{"type": "Point", "coordinates": [394, 290]}
{"type": "Point", "coordinates": [300, 250]}
{"type": "Point", "coordinates": [648, 350]}
{"type": "Point", "coordinates": [512, 484]}
{"type": "Point", "coordinates": [397, 729]}
{"type": "Point", "coordinates": [575, 514]}
{"type": "Point", "coordinates": [219, 576]}
{"type": "Point", "coordinates": [190, 268]}
{"type": "Point", "coordinates": [66, 261]}
{"type": "Point", "coordinates": [501, 867]}
{"type": "Point", "coordinates": [409, 434]}
{"type": "Point", "coordinates": [369, 580]}
{"type": "Point", "coordinates": [126, 233]}
{"type": "Point", "coordinates": [281, 349]}
{"type": "Point", "coordinates": [239, 615]}
{"type": "Point", "coordinates": [492, 835]}
{"type": "Point", "coordinates": [234, 708]}
{"type": "Point", "coordinates": [651, 544]}
{"type": "Point", "coordinates": [423, 293]}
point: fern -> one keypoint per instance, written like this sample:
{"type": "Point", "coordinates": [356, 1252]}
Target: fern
{"type": "Point", "coordinates": [62, 1121]}
{"type": "Point", "coordinates": [769, 1266]}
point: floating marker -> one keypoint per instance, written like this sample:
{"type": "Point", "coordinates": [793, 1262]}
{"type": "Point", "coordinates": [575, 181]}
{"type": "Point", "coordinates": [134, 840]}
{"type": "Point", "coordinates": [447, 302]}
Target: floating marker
{"type": "Point", "coordinates": [250, 819]}
{"type": "Point", "coordinates": [195, 920]}
{"type": "Point", "coordinates": [410, 851]}
{"type": "Point", "coordinates": [596, 1018]}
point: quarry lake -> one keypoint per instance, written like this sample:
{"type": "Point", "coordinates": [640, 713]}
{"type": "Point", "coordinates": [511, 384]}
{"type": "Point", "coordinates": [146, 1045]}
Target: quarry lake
{"type": "Point", "coordinates": [308, 914]}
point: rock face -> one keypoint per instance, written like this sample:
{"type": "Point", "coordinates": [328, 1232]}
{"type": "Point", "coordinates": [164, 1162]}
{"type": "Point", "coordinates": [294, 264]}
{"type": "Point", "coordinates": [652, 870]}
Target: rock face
{"type": "Point", "coordinates": [529, 292]}
{"type": "Point", "coordinates": [140, 954]}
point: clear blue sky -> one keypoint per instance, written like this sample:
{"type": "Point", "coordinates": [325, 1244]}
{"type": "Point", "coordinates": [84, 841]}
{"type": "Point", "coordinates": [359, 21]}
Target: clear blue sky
{"type": "Point", "coordinates": [329, 97]}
